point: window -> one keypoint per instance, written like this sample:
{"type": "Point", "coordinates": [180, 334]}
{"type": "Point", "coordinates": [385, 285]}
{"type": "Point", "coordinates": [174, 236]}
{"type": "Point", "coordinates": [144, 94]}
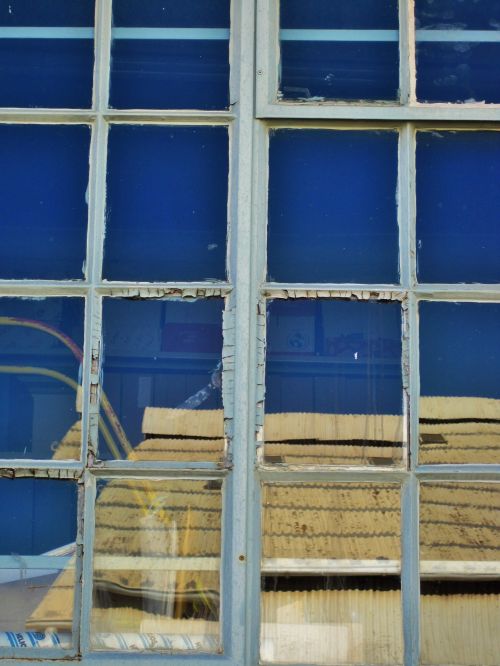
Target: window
{"type": "Point", "coordinates": [249, 332]}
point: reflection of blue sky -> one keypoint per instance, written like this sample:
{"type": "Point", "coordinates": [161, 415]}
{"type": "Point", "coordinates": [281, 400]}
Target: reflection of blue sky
{"type": "Point", "coordinates": [460, 349]}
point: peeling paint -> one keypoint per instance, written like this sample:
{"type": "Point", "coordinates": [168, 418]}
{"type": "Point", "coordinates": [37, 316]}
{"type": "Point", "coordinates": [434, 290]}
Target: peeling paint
{"type": "Point", "coordinates": [41, 473]}
{"type": "Point", "coordinates": [340, 294]}
{"type": "Point", "coordinates": [261, 369]}
{"type": "Point", "coordinates": [179, 292]}
{"type": "Point", "coordinates": [228, 366]}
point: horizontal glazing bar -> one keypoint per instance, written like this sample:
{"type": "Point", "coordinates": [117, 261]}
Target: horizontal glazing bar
{"type": "Point", "coordinates": [38, 288]}
{"type": "Point", "coordinates": [165, 472]}
{"type": "Point", "coordinates": [325, 35]}
{"type": "Point", "coordinates": [355, 292]}
{"type": "Point", "coordinates": [53, 469]}
{"type": "Point", "coordinates": [282, 474]}
{"type": "Point", "coordinates": [186, 289]}
{"type": "Point", "coordinates": [28, 32]}
{"type": "Point", "coordinates": [126, 290]}
{"type": "Point", "coordinates": [382, 292]}
{"type": "Point", "coordinates": [435, 113]}
{"type": "Point", "coordinates": [155, 466]}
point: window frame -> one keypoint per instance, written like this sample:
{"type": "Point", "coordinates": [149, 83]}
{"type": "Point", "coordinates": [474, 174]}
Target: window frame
{"type": "Point", "coordinates": [408, 109]}
{"type": "Point", "coordinates": [246, 293]}
{"type": "Point", "coordinates": [407, 117]}
{"type": "Point", "coordinates": [233, 471]}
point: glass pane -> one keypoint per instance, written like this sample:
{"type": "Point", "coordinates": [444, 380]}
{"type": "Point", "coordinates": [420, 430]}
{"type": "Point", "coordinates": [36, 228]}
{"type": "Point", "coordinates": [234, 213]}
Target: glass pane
{"type": "Point", "coordinates": [330, 574]}
{"type": "Point", "coordinates": [459, 389]}
{"type": "Point", "coordinates": [46, 53]}
{"type": "Point", "coordinates": [460, 572]}
{"type": "Point", "coordinates": [41, 345]}
{"type": "Point", "coordinates": [166, 203]}
{"type": "Point", "coordinates": [43, 201]}
{"type": "Point", "coordinates": [458, 198]}
{"type": "Point", "coordinates": [156, 565]}
{"type": "Point", "coordinates": [167, 54]}
{"type": "Point", "coordinates": [458, 51]}
{"type": "Point", "coordinates": [332, 206]}
{"type": "Point", "coordinates": [341, 50]}
{"type": "Point", "coordinates": [37, 554]}
{"type": "Point", "coordinates": [162, 380]}
{"type": "Point", "coordinates": [334, 391]}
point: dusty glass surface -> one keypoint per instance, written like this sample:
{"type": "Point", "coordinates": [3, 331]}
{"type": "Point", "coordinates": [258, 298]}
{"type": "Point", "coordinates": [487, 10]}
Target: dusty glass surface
{"type": "Point", "coordinates": [341, 50]}
{"type": "Point", "coordinates": [333, 383]}
{"type": "Point", "coordinates": [166, 203]}
{"type": "Point", "coordinates": [458, 204]}
{"type": "Point", "coordinates": [37, 555]}
{"type": "Point", "coordinates": [459, 389]}
{"type": "Point", "coordinates": [332, 206]}
{"type": "Point", "coordinates": [43, 201]}
{"type": "Point", "coordinates": [167, 54]}
{"type": "Point", "coordinates": [330, 573]}
{"type": "Point", "coordinates": [46, 53]}
{"type": "Point", "coordinates": [458, 50]}
{"type": "Point", "coordinates": [156, 565]}
{"type": "Point", "coordinates": [162, 380]}
{"type": "Point", "coordinates": [41, 343]}
{"type": "Point", "coordinates": [460, 573]}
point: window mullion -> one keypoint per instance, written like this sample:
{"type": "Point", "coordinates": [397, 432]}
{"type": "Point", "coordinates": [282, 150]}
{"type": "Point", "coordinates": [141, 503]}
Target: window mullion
{"type": "Point", "coordinates": [240, 596]}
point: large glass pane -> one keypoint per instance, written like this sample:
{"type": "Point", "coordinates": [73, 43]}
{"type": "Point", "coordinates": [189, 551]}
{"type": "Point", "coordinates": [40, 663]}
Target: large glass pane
{"type": "Point", "coordinates": [156, 565]}
{"type": "Point", "coordinates": [332, 206]}
{"type": "Point", "coordinates": [458, 199]}
{"type": "Point", "coordinates": [167, 54]}
{"type": "Point", "coordinates": [40, 358]}
{"type": "Point", "coordinates": [37, 562]}
{"type": "Point", "coordinates": [459, 388]}
{"type": "Point", "coordinates": [334, 391]}
{"type": "Point", "coordinates": [341, 50]}
{"type": "Point", "coordinates": [330, 574]}
{"type": "Point", "coordinates": [458, 50]}
{"type": "Point", "coordinates": [166, 203]}
{"type": "Point", "coordinates": [43, 201]}
{"type": "Point", "coordinates": [460, 573]}
{"type": "Point", "coordinates": [46, 53]}
{"type": "Point", "coordinates": [162, 377]}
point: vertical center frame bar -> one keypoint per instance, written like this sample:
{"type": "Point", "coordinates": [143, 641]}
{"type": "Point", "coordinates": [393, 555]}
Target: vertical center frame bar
{"type": "Point", "coordinates": [410, 542]}
{"type": "Point", "coordinates": [238, 556]}
{"type": "Point", "coordinates": [97, 206]}
{"type": "Point", "coordinates": [405, 203]}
